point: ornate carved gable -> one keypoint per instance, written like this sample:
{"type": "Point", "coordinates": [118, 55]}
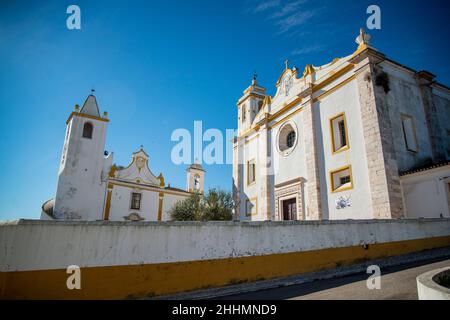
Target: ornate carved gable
{"type": "Point", "coordinates": [287, 85]}
{"type": "Point", "coordinates": [137, 171]}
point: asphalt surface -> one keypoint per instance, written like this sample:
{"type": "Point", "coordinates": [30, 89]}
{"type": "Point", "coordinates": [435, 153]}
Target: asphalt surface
{"type": "Point", "coordinates": [397, 283]}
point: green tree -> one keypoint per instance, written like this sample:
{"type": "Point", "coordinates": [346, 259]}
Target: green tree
{"type": "Point", "coordinates": [188, 209]}
{"type": "Point", "coordinates": [216, 205]}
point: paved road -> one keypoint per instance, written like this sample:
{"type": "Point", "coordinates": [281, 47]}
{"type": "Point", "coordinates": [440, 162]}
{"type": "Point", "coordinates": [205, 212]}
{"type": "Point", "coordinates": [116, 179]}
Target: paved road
{"type": "Point", "coordinates": [396, 283]}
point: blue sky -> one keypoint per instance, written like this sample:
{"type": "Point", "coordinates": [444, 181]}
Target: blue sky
{"type": "Point", "coordinates": [160, 65]}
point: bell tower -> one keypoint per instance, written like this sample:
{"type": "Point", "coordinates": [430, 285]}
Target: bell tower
{"type": "Point", "coordinates": [81, 185]}
{"type": "Point", "coordinates": [249, 105]}
{"type": "Point", "coordinates": [195, 178]}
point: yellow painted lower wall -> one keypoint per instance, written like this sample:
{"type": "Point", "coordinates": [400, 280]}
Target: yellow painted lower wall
{"type": "Point", "coordinates": [132, 281]}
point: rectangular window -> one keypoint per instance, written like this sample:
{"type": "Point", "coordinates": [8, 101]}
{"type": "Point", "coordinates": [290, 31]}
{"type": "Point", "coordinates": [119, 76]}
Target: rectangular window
{"type": "Point", "coordinates": [409, 133]}
{"type": "Point", "coordinates": [251, 207]}
{"type": "Point", "coordinates": [345, 180]}
{"type": "Point", "coordinates": [342, 133]}
{"type": "Point", "coordinates": [251, 170]}
{"type": "Point", "coordinates": [289, 209]}
{"type": "Point", "coordinates": [339, 135]}
{"type": "Point", "coordinates": [341, 179]}
{"type": "Point", "coordinates": [136, 201]}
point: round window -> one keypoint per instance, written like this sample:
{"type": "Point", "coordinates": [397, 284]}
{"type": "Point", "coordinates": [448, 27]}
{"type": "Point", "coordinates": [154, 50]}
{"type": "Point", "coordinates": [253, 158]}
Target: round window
{"type": "Point", "coordinates": [287, 138]}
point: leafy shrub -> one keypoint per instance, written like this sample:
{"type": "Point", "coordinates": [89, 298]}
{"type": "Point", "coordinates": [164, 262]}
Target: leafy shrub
{"type": "Point", "coordinates": [216, 205]}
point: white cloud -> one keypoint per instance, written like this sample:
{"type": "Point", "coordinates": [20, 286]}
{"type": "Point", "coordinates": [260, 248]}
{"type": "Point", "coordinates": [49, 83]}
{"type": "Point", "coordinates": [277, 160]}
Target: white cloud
{"type": "Point", "coordinates": [263, 6]}
{"type": "Point", "coordinates": [295, 20]}
{"type": "Point", "coordinates": [287, 9]}
{"type": "Point", "coordinates": [285, 15]}
{"type": "Point", "coordinates": [306, 50]}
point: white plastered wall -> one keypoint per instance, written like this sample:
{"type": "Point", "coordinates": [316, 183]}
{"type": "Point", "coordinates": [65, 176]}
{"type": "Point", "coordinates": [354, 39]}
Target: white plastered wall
{"type": "Point", "coordinates": [426, 194]}
{"type": "Point", "coordinates": [346, 100]}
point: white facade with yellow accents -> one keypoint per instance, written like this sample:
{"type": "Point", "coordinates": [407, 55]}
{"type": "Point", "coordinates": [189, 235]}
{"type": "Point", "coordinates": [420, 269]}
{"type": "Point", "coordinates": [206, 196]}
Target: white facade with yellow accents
{"type": "Point", "coordinates": [91, 187]}
{"type": "Point", "coordinates": [333, 142]}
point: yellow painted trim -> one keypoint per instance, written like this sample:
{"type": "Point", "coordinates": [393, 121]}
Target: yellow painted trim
{"type": "Point", "coordinates": [144, 187]}
{"type": "Point", "coordinates": [251, 139]}
{"type": "Point", "coordinates": [404, 116]}
{"type": "Point", "coordinates": [161, 180]}
{"type": "Point", "coordinates": [333, 146]}
{"type": "Point", "coordinates": [293, 73]}
{"type": "Point", "coordinates": [284, 109]}
{"type": "Point", "coordinates": [144, 280]}
{"type": "Point", "coordinates": [160, 205]}
{"type": "Point", "coordinates": [283, 120]}
{"type": "Point", "coordinates": [250, 183]}
{"type": "Point", "coordinates": [85, 116]}
{"type": "Point", "coordinates": [340, 189]}
{"type": "Point", "coordinates": [280, 112]}
{"type": "Point", "coordinates": [339, 85]}
{"type": "Point", "coordinates": [251, 95]}
{"type": "Point", "coordinates": [316, 88]}
{"type": "Point", "coordinates": [309, 70]}
{"type": "Point", "coordinates": [249, 214]}
{"type": "Point", "coordinates": [362, 47]}
{"type": "Point", "coordinates": [333, 77]}
{"type": "Point", "coordinates": [108, 202]}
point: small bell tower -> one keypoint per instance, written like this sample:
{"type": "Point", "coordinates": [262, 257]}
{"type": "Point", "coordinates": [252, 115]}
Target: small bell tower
{"type": "Point", "coordinates": [250, 104]}
{"type": "Point", "coordinates": [195, 178]}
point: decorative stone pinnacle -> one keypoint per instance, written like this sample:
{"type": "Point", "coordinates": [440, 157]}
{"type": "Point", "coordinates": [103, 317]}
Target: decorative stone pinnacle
{"type": "Point", "coordinates": [309, 69]}
{"type": "Point", "coordinates": [363, 38]}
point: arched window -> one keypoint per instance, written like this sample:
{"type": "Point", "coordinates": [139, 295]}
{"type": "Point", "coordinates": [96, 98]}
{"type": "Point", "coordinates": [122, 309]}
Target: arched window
{"type": "Point", "coordinates": [88, 129]}
{"type": "Point", "coordinates": [196, 182]}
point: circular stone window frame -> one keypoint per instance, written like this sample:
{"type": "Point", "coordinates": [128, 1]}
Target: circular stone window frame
{"type": "Point", "coordinates": [286, 151]}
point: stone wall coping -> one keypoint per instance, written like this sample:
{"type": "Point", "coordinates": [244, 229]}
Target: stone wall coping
{"type": "Point", "coordinates": [21, 222]}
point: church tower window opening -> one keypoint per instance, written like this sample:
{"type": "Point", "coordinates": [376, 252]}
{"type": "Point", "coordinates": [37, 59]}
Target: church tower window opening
{"type": "Point", "coordinates": [196, 182]}
{"type": "Point", "coordinates": [88, 130]}
{"type": "Point", "coordinates": [243, 113]}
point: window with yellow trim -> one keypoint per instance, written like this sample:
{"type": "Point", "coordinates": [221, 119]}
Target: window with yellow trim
{"type": "Point", "coordinates": [251, 171]}
{"type": "Point", "coordinates": [341, 179]}
{"type": "Point", "coordinates": [339, 134]}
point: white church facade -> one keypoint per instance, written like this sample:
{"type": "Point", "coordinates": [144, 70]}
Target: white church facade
{"type": "Point", "coordinates": [91, 187]}
{"type": "Point", "coordinates": [362, 137]}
